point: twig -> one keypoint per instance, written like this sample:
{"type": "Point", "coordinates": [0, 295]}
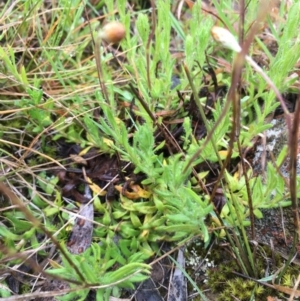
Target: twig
{"type": "Point", "coordinates": [150, 38]}
{"type": "Point", "coordinates": [293, 167]}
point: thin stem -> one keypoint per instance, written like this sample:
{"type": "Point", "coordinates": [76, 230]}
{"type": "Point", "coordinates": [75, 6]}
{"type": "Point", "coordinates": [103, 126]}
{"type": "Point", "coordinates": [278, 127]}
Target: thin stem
{"type": "Point", "coordinates": [199, 105]}
{"type": "Point", "coordinates": [99, 68]}
{"type": "Point", "coordinates": [258, 69]}
{"type": "Point", "coordinates": [293, 167]}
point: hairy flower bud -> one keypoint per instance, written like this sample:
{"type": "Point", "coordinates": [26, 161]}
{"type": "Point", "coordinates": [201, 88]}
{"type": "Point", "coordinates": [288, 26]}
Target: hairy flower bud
{"type": "Point", "coordinates": [226, 38]}
{"type": "Point", "coordinates": [112, 32]}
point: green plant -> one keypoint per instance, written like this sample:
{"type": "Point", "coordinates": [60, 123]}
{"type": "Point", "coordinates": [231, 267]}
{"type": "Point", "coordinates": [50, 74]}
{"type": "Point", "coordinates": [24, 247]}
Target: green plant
{"type": "Point", "coordinates": [52, 97]}
{"type": "Point", "coordinates": [95, 264]}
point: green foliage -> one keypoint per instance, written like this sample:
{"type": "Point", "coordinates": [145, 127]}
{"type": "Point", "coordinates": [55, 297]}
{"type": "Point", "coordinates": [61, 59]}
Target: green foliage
{"type": "Point", "coordinates": [269, 194]}
{"type": "Point", "coordinates": [4, 291]}
{"type": "Point", "coordinates": [95, 264]}
{"type": "Point", "coordinates": [52, 94]}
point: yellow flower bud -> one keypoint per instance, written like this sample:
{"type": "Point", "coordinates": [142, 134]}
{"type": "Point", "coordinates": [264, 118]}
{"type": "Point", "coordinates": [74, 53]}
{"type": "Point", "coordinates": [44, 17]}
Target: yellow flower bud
{"type": "Point", "coordinates": [112, 32]}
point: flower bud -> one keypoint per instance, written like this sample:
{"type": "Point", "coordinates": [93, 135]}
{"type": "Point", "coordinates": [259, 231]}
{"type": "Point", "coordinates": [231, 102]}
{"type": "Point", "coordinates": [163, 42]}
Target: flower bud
{"type": "Point", "coordinates": [225, 37]}
{"type": "Point", "coordinates": [112, 32]}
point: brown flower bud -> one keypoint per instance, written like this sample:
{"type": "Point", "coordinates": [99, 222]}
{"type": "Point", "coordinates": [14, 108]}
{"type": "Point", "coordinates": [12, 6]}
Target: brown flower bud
{"type": "Point", "coordinates": [112, 32]}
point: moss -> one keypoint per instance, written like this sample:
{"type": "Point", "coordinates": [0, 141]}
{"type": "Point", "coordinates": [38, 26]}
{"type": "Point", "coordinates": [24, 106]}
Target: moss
{"type": "Point", "coordinates": [242, 290]}
{"type": "Point", "coordinates": [222, 280]}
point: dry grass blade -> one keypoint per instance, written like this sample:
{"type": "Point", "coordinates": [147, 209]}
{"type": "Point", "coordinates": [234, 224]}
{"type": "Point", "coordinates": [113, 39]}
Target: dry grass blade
{"type": "Point", "coordinates": [34, 151]}
{"type": "Point", "coordinates": [295, 291]}
{"type": "Point", "coordinates": [33, 296]}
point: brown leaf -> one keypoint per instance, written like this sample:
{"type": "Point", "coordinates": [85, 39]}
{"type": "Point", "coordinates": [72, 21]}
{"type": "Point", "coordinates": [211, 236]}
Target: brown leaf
{"type": "Point", "coordinates": [137, 192]}
{"type": "Point", "coordinates": [78, 159]}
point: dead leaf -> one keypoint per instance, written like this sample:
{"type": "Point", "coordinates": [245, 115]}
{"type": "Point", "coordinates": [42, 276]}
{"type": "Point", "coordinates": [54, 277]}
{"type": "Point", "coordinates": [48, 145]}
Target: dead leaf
{"type": "Point", "coordinates": [270, 298]}
{"type": "Point", "coordinates": [137, 192]}
{"type": "Point", "coordinates": [95, 188]}
{"type": "Point", "coordinates": [287, 290]}
{"type": "Point", "coordinates": [78, 159]}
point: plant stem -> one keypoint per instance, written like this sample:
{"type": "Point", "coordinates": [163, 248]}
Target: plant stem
{"type": "Point", "coordinates": [99, 68]}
